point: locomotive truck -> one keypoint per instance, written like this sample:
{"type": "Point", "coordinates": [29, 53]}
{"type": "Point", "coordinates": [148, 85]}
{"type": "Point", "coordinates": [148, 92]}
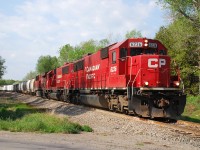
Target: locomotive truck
{"type": "Point", "coordinates": [132, 76]}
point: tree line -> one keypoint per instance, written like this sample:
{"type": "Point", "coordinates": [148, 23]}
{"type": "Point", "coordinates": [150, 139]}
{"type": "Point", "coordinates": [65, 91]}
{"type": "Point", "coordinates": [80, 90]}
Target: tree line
{"type": "Point", "coordinates": [182, 39]}
{"type": "Point", "coordinates": [69, 53]}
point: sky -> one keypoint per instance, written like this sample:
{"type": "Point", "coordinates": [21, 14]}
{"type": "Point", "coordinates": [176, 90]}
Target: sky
{"type": "Point", "coordinates": [32, 28]}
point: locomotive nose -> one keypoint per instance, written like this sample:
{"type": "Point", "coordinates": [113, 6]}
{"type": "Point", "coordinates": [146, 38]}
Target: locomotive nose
{"type": "Point", "coordinates": [155, 71]}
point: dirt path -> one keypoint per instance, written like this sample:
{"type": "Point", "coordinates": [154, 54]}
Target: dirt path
{"type": "Point", "coordinates": [110, 130]}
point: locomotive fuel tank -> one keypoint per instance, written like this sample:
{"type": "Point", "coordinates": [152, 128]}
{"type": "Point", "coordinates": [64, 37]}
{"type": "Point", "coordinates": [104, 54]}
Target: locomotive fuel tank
{"type": "Point", "coordinates": [94, 100]}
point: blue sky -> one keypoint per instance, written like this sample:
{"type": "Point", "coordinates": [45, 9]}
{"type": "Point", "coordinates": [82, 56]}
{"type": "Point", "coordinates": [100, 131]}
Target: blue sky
{"type": "Point", "coordinates": [31, 28]}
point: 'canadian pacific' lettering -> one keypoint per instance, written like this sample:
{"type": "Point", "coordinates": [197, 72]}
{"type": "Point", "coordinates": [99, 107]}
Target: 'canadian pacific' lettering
{"type": "Point", "coordinates": [92, 68]}
{"type": "Point", "coordinates": [90, 76]}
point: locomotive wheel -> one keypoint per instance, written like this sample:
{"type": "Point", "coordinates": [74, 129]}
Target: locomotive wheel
{"type": "Point", "coordinates": [75, 100]}
{"type": "Point", "coordinates": [119, 108]}
{"type": "Point", "coordinates": [126, 112]}
{"type": "Point", "coordinates": [62, 97]}
{"type": "Point", "coordinates": [110, 107]}
{"type": "Point", "coordinates": [67, 98]}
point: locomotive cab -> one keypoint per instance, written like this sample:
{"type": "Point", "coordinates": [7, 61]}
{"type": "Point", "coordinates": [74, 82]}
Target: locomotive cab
{"type": "Point", "coordinates": [141, 62]}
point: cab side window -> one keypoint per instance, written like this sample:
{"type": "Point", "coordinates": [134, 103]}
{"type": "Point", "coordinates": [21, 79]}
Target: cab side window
{"type": "Point", "coordinates": [123, 52]}
{"type": "Point", "coordinates": [114, 57]}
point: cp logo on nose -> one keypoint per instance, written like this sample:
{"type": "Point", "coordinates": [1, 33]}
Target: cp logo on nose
{"type": "Point", "coordinates": [154, 62]}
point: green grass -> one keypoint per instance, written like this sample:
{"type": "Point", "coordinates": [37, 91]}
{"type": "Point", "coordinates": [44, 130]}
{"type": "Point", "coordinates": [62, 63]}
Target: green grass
{"type": "Point", "coordinates": [192, 109]}
{"type": "Point", "coordinates": [19, 117]}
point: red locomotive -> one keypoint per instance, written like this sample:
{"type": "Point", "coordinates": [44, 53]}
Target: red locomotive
{"type": "Point", "coordinates": [132, 76]}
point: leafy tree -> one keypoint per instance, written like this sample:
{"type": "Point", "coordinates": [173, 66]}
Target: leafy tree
{"type": "Point", "coordinates": [133, 33]}
{"type": "Point", "coordinates": [68, 53]}
{"type": "Point", "coordinates": [2, 67]}
{"type": "Point", "coordinates": [182, 37]}
{"type": "Point", "coordinates": [77, 53]}
{"type": "Point", "coordinates": [104, 43]}
{"type": "Point", "coordinates": [189, 9]}
{"type": "Point", "coordinates": [90, 46]}
{"type": "Point", "coordinates": [7, 82]}
{"type": "Point", "coordinates": [30, 75]}
{"type": "Point", "coordinates": [46, 63]}
{"type": "Point", "coordinates": [64, 53]}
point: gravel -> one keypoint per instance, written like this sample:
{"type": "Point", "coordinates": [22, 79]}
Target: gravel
{"type": "Point", "coordinates": [111, 130]}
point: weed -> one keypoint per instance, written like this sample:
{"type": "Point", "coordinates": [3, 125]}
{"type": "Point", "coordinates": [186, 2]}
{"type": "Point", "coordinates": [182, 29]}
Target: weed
{"type": "Point", "coordinates": [192, 109]}
{"type": "Point", "coordinates": [22, 118]}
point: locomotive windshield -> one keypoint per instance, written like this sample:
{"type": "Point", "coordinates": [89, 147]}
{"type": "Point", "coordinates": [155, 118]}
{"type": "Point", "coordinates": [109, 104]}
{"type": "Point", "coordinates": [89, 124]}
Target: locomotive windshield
{"type": "Point", "coordinates": [162, 52]}
{"type": "Point", "coordinates": [140, 51]}
{"type": "Point", "coordinates": [136, 51]}
{"type": "Point", "coordinates": [150, 51]}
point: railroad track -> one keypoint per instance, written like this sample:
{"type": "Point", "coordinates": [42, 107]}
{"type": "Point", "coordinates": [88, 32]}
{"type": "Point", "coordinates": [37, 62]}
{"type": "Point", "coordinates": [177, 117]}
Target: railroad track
{"type": "Point", "coordinates": [189, 127]}
{"type": "Point", "coordinates": [182, 127]}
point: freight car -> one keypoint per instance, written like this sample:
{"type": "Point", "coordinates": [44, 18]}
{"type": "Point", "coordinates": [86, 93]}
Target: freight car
{"type": "Point", "coordinates": [132, 76]}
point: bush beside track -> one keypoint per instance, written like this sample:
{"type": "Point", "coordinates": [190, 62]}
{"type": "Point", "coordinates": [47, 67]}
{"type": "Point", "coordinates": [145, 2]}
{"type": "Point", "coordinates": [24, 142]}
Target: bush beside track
{"type": "Point", "coordinates": [192, 109]}
{"type": "Point", "coordinates": [18, 117]}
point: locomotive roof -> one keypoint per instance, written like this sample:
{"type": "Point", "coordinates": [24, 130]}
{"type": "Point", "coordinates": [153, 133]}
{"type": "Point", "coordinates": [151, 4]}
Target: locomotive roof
{"type": "Point", "coordinates": [120, 43]}
{"type": "Point", "coordinates": [117, 45]}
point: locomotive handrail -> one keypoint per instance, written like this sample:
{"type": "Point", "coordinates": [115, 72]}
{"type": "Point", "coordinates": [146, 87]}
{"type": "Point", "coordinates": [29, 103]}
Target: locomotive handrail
{"type": "Point", "coordinates": [134, 80]}
{"type": "Point", "coordinates": [130, 74]}
{"type": "Point", "coordinates": [66, 84]}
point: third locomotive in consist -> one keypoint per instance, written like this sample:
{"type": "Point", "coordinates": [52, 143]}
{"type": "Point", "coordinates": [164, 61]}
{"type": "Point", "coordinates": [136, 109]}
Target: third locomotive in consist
{"type": "Point", "coordinates": [132, 76]}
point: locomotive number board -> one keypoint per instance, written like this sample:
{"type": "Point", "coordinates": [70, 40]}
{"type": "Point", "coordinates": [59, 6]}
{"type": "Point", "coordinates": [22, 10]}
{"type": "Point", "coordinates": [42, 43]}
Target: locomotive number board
{"type": "Point", "coordinates": [140, 44]}
{"type": "Point", "coordinates": [153, 45]}
{"type": "Point", "coordinates": [136, 44]}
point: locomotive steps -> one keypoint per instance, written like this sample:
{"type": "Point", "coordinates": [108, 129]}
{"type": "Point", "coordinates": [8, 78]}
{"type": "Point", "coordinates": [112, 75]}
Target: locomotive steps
{"type": "Point", "coordinates": [118, 131]}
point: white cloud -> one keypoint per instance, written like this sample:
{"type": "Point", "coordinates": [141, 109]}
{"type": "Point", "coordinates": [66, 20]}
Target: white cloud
{"type": "Point", "coordinates": [42, 27]}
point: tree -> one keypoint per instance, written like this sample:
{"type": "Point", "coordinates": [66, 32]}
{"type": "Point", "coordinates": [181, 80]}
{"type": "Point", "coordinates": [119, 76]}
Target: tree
{"type": "Point", "coordinates": [133, 34]}
{"type": "Point", "coordinates": [64, 53]}
{"type": "Point", "coordinates": [182, 37]}
{"type": "Point", "coordinates": [30, 75]}
{"type": "Point", "coordinates": [68, 53]}
{"type": "Point", "coordinates": [46, 63]}
{"type": "Point", "coordinates": [7, 82]}
{"type": "Point", "coordinates": [189, 9]}
{"type": "Point", "coordinates": [104, 43]}
{"type": "Point", "coordinates": [2, 67]}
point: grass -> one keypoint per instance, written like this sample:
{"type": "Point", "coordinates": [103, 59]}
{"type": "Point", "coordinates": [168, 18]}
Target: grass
{"type": "Point", "coordinates": [192, 109]}
{"type": "Point", "coordinates": [18, 117]}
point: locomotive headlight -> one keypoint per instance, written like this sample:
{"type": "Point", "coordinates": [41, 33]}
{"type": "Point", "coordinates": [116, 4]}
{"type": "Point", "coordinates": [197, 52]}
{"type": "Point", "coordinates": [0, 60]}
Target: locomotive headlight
{"type": "Point", "coordinates": [145, 42]}
{"type": "Point", "coordinates": [146, 83]}
{"type": "Point", "coordinates": [176, 83]}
